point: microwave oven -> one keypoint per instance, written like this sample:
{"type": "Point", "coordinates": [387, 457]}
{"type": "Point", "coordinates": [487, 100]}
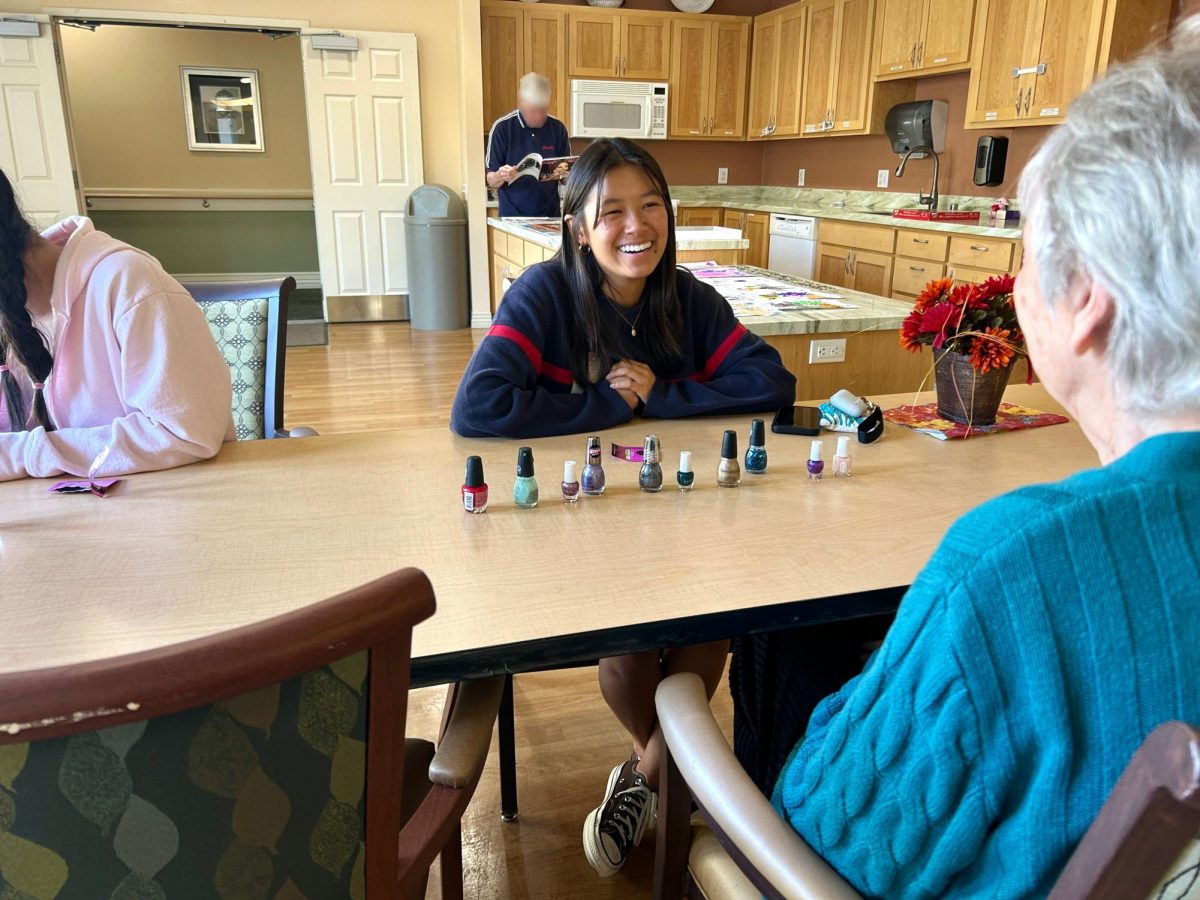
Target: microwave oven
{"type": "Point", "coordinates": [628, 109]}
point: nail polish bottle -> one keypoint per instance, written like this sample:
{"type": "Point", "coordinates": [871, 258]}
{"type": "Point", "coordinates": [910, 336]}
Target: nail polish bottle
{"type": "Point", "coordinates": [815, 464]}
{"type": "Point", "coordinates": [685, 477]}
{"type": "Point", "coordinates": [570, 482]}
{"type": "Point", "coordinates": [474, 489]}
{"type": "Point", "coordinates": [525, 489]}
{"type": "Point", "coordinates": [756, 453]}
{"type": "Point", "coordinates": [841, 459]}
{"type": "Point", "coordinates": [650, 479]}
{"type": "Point", "coordinates": [729, 473]}
{"type": "Point", "coordinates": [593, 470]}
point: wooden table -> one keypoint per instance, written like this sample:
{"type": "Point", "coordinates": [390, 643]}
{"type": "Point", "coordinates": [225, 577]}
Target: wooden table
{"type": "Point", "coordinates": [270, 526]}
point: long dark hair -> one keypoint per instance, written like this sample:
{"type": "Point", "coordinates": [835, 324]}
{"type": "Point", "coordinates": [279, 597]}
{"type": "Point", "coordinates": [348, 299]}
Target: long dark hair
{"type": "Point", "coordinates": [662, 320]}
{"type": "Point", "coordinates": [20, 341]}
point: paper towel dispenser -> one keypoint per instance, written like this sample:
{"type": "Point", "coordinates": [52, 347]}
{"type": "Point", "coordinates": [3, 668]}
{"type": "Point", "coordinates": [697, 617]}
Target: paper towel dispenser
{"type": "Point", "coordinates": [918, 124]}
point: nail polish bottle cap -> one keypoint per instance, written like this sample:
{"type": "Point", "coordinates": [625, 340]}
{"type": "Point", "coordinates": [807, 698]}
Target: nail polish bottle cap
{"type": "Point", "coordinates": [758, 433]}
{"type": "Point", "coordinates": [815, 453]}
{"type": "Point", "coordinates": [843, 446]}
{"type": "Point", "coordinates": [594, 442]}
{"type": "Point", "coordinates": [685, 461]}
{"type": "Point", "coordinates": [570, 471]}
{"type": "Point", "coordinates": [474, 472]}
{"type": "Point", "coordinates": [650, 449]}
{"type": "Point", "coordinates": [525, 462]}
{"type": "Point", "coordinates": [729, 445]}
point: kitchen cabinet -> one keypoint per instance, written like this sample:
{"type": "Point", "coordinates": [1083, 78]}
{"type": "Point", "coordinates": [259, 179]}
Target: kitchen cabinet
{"type": "Point", "coordinates": [855, 256]}
{"type": "Point", "coordinates": [755, 227]}
{"type": "Point", "coordinates": [518, 40]}
{"type": "Point", "coordinates": [777, 72]}
{"type": "Point", "coordinates": [922, 37]}
{"type": "Point", "coordinates": [619, 45]}
{"type": "Point", "coordinates": [708, 78]}
{"type": "Point", "coordinates": [1033, 57]}
{"type": "Point", "coordinates": [700, 215]}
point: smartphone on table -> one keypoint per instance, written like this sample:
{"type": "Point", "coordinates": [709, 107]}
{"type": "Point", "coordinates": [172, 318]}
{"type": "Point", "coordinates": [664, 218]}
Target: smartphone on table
{"type": "Point", "coordinates": [797, 420]}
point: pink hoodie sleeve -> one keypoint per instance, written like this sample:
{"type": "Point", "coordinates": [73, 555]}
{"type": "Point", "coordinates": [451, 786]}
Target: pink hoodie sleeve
{"type": "Point", "coordinates": [175, 387]}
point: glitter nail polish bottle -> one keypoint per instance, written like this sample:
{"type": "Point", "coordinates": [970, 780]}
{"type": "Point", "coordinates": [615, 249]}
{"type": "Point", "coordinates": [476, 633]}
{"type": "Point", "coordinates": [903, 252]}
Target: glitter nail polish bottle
{"type": "Point", "coordinates": [841, 459]}
{"type": "Point", "coordinates": [570, 482]}
{"type": "Point", "coordinates": [729, 473]}
{"type": "Point", "coordinates": [525, 488]}
{"type": "Point", "coordinates": [593, 469]}
{"type": "Point", "coordinates": [650, 479]}
{"type": "Point", "coordinates": [685, 477]}
{"type": "Point", "coordinates": [474, 489]}
{"type": "Point", "coordinates": [756, 453]}
{"type": "Point", "coordinates": [815, 464]}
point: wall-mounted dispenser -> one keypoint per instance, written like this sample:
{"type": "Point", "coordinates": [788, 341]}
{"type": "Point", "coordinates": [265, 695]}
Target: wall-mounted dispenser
{"type": "Point", "coordinates": [990, 155]}
{"type": "Point", "coordinates": [918, 124]}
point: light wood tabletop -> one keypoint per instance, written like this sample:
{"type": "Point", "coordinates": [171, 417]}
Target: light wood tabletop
{"type": "Point", "coordinates": [270, 526]}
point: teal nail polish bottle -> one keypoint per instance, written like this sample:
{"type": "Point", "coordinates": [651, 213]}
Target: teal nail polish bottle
{"type": "Point", "coordinates": [525, 489]}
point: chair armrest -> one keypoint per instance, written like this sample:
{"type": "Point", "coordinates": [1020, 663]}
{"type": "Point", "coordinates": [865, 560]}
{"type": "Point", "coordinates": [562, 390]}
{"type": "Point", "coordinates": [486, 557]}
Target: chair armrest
{"type": "Point", "coordinates": [467, 738]}
{"type": "Point", "coordinates": [737, 810]}
{"type": "Point", "coordinates": [302, 431]}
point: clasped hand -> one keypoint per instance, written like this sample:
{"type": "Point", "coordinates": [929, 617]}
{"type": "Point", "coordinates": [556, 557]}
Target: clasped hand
{"type": "Point", "coordinates": [632, 380]}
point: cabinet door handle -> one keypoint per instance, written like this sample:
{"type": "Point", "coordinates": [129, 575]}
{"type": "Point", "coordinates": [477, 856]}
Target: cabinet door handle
{"type": "Point", "coordinates": [853, 261]}
{"type": "Point", "coordinates": [846, 263]}
{"type": "Point", "coordinates": [919, 241]}
{"type": "Point", "coordinates": [917, 268]}
{"type": "Point", "coordinates": [979, 249]}
{"type": "Point", "coordinates": [920, 53]}
{"type": "Point", "coordinates": [1028, 100]}
{"type": "Point", "coordinates": [624, 65]}
{"type": "Point", "coordinates": [1019, 93]}
{"type": "Point", "coordinates": [912, 56]}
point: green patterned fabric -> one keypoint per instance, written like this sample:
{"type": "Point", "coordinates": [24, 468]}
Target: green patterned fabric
{"type": "Point", "coordinates": [240, 329]}
{"type": "Point", "coordinates": [260, 797]}
{"type": "Point", "coordinates": [1182, 881]}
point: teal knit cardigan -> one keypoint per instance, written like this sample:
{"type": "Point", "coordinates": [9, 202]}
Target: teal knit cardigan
{"type": "Point", "coordinates": [1052, 630]}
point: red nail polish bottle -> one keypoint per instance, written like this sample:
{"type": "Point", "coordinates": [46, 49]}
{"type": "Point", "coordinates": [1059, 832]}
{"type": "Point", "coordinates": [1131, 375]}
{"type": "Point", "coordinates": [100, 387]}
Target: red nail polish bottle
{"type": "Point", "coordinates": [474, 489]}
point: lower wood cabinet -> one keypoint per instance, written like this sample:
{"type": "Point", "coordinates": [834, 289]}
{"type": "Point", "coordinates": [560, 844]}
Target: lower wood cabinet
{"type": "Point", "coordinates": [756, 228]}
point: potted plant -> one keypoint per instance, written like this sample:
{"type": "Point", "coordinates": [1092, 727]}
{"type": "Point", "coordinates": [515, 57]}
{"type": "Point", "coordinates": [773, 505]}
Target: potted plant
{"type": "Point", "coordinates": [975, 337]}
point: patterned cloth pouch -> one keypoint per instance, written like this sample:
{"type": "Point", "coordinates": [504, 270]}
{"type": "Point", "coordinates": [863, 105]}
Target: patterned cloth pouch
{"type": "Point", "coordinates": [833, 419]}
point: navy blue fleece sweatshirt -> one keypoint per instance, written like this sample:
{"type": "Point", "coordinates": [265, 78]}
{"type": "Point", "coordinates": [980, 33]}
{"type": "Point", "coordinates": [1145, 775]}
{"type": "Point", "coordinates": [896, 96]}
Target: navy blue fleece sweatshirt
{"type": "Point", "coordinates": [519, 384]}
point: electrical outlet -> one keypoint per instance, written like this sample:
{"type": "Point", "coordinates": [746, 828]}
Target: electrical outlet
{"type": "Point", "coordinates": [881, 180]}
{"type": "Point", "coordinates": [800, 179]}
{"type": "Point", "coordinates": [827, 351]}
{"type": "Point", "coordinates": [722, 175]}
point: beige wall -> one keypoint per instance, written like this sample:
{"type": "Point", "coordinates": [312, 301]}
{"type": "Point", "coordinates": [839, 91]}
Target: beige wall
{"type": "Point", "coordinates": [128, 114]}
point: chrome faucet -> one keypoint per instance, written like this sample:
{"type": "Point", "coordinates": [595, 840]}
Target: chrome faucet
{"type": "Point", "coordinates": [932, 200]}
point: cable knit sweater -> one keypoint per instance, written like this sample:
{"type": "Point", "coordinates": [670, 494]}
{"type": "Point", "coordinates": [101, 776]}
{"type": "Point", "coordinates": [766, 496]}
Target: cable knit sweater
{"type": "Point", "coordinates": [1052, 630]}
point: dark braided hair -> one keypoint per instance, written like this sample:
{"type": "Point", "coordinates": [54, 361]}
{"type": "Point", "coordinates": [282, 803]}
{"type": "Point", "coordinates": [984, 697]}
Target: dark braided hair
{"type": "Point", "coordinates": [20, 341]}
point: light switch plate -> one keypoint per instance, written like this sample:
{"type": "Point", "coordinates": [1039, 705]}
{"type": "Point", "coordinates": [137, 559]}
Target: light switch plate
{"type": "Point", "coordinates": [800, 179]}
{"type": "Point", "coordinates": [833, 351]}
{"type": "Point", "coordinates": [881, 180]}
{"type": "Point", "coordinates": [722, 175]}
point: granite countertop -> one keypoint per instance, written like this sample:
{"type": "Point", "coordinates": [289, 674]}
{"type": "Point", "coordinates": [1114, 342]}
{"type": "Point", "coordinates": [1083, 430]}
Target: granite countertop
{"type": "Point", "coordinates": [543, 233]}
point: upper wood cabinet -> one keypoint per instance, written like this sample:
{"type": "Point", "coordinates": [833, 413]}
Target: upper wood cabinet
{"type": "Point", "coordinates": [1032, 57]}
{"type": "Point", "coordinates": [708, 78]}
{"type": "Point", "coordinates": [777, 73]}
{"type": "Point", "coordinates": [922, 36]}
{"type": "Point", "coordinates": [837, 83]}
{"type": "Point", "coordinates": [517, 40]}
{"type": "Point", "coordinates": [622, 45]}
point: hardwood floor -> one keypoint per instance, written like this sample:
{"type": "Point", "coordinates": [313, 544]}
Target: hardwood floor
{"type": "Point", "coordinates": [379, 376]}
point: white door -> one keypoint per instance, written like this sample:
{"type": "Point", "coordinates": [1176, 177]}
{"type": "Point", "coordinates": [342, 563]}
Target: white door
{"type": "Point", "coordinates": [364, 125]}
{"type": "Point", "coordinates": [34, 151]}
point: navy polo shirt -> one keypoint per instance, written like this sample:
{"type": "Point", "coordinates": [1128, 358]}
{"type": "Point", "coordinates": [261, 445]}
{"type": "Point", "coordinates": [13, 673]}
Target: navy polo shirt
{"type": "Point", "coordinates": [510, 141]}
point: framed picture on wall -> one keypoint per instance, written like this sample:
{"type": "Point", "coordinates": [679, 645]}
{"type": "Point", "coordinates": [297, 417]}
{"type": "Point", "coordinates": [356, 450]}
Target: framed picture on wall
{"type": "Point", "coordinates": [222, 109]}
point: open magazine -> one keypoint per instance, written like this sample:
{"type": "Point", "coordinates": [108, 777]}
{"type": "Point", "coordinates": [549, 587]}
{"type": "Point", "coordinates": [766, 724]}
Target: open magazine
{"type": "Point", "coordinates": [544, 169]}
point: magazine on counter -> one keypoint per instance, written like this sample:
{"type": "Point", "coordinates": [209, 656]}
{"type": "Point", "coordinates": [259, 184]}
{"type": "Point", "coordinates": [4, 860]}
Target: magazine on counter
{"type": "Point", "coordinates": [544, 168]}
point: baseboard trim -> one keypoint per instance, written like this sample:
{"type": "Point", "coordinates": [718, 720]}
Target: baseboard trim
{"type": "Point", "coordinates": [481, 318]}
{"type": "Point", "coordinates": [304, 280]}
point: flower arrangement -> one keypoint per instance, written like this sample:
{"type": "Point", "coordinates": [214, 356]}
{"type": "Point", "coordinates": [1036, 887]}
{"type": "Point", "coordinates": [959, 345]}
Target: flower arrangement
{"type": "Point", "coordinates": [976, 320]}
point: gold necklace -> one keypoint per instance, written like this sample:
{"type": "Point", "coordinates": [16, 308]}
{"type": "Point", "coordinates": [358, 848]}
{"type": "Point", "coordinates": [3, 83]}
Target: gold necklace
{"type": "Point", "coordinates": [633, 325]}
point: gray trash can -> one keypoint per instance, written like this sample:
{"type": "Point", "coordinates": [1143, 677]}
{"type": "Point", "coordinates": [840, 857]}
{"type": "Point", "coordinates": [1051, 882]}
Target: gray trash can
{"type": "Point", "coordinates": [435, 237]}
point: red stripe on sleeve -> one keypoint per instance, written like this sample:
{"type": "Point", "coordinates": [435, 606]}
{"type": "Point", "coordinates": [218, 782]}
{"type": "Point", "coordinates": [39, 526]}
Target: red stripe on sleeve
{"type": "Point", "coordinates": [551, 371]}
{"type": "Point", "coordinates": [557, 373]}
{"type": "Point", "coordinates": [719, 355]}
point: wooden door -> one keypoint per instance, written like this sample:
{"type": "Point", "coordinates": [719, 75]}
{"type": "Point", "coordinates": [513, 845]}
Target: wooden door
{"type": "Point", "coordinates": [734, 218]}
{"type": "Point", "coordinates": [947, 38]}
{"type": "Point", "coordinates": [701, 215]}
{"type": "Point", "coordinates": [818, 66]}
{"type": "Point", "coordinates": [691, 72]}
{"type": "Point", "coordinates": [871, 272]}
{"type": "Point", "coordinates": [645, 47]}
{"type": "Point", "coordinates": [546, 52]}
{"type": "Point", "coordinates": [851, 65]}
{"type": "Point", "coordinates": [594, 44]}
{"type": "Point", "coordinates": [756, 228]}
{"type": "Point", "coordinates": [503, 61]}
{"type": "Point", "coordinates": [789, 76]}
{"type": "Point", "coordinates": [763, 70]}
{"type": "Point", "coordinates": [730, 54]}
{"type": "Point", "coordinates": [1068, 47]}
{"type": "Point", "coordinates": [833, 265]}
{"type": "Point", "coordinates": [1006, 34]}
{"type": "Point", "coordinates": [898, 28]}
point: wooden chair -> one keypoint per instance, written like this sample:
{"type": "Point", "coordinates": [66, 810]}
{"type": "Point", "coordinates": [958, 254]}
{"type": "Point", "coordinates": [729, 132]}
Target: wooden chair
{"type": "Point", "coordinates": [248, 320]}
{"type": "Point", "coordinates": [1142, 844]}
{"type": "Point", "coordinates": [270, 755]}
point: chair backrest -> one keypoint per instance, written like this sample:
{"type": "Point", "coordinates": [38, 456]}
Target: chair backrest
{"type": "Point", "coordinates": [248, 320]}
{"type": "Point", "coordinates": [1144, 842]}
{"type": "Point", "coordinates": [232, 766]}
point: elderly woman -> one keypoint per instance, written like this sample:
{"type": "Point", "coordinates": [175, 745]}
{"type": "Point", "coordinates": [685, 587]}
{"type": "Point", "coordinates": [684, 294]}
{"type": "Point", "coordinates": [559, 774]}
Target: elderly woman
{"type": "Point", "coordinates": [1056, 626]}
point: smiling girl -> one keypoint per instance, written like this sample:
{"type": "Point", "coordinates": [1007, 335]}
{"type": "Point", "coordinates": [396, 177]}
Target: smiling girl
{"type": "Point", "coordinates": [610, 328]}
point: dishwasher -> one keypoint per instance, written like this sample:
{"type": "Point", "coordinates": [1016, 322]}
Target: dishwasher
{"type": "Point", "coordinates": [793, 246]}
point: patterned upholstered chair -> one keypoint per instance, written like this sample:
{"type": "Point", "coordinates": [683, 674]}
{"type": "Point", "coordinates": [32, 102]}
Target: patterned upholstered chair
{"type": "Point", "coordinates": [1142, 844]}
{"type": "Point", "coordinates": [268, 761]}
{"type": "Point", "coordinates": [248, 320]}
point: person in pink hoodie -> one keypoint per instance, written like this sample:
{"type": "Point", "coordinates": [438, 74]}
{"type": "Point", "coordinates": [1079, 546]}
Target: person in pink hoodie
{"type": "Point", "coordinates": [100, 348]}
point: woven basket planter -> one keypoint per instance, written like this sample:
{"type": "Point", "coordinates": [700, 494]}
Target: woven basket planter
{"type": "Point", "coordinates": [692, 6]}
{"type": "Point", "coordinates": [605, 4]}
{"type": "Point", "coordinates": [965, 396]}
